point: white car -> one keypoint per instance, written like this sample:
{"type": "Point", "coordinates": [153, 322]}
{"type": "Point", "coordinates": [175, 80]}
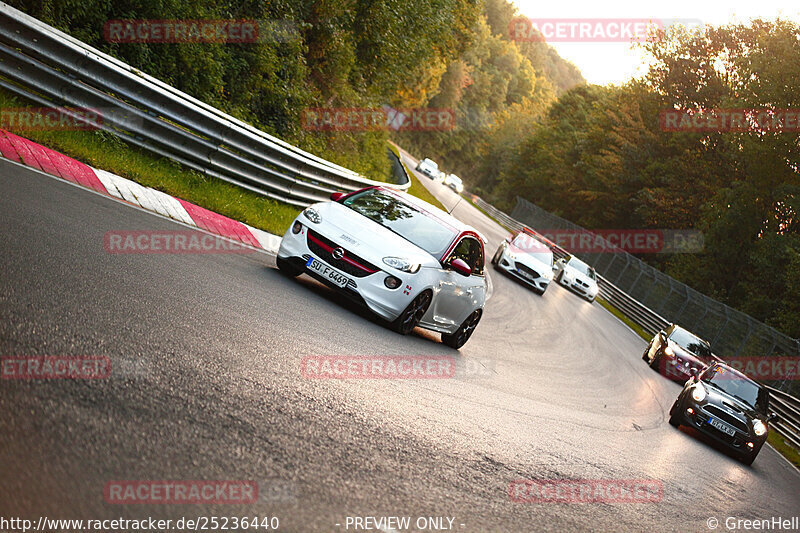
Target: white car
{"type": "Point", "coordinates": [429, 168]}
{"type": "Point", "coordinates": [576, 275]}
{"type": "Point", "coordinates": [454, 182]}
{"type": "Point", "coordinates": [526, 258]}
{"type": "Point", "coordinates": [409, 262]}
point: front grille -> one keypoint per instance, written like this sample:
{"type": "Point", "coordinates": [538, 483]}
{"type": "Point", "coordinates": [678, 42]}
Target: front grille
{"type": "Point", "coordinates": [583, 283]}
{"type": "Point", "coordinates": [528, 271]}
{"type": "Point", "coordinates": [726, 417]}
{"type": "Point", "coordinates": [350, 263]}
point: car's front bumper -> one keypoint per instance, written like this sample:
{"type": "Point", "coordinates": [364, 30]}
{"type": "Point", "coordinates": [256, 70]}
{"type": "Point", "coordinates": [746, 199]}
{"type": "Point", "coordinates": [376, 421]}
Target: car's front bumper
{"type": "Point", "coordinates": [578, 288]}
{"type": "Point", "coordinates": [538, 280]}
{"type": "Point", "coordinates": [699, 419]}
{"type": "Point", "coordinates": [369, 290]}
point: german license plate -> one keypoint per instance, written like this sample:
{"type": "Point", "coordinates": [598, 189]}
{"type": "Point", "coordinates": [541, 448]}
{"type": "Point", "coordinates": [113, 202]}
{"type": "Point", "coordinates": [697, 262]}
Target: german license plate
{"type": "Point", "coordinates": [327, 272]}
{"type": "Point", "coordinates": [725, 428]}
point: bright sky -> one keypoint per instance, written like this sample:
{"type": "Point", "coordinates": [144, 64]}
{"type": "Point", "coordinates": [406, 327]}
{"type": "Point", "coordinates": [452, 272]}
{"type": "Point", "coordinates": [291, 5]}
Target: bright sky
{"type": "Point", "coordinates": [604, 62]}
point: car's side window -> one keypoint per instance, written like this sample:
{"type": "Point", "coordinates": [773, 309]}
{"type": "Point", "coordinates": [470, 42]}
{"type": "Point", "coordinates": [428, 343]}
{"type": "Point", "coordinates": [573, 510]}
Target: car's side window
{"type": "Point", "coordinates": [470, 251]}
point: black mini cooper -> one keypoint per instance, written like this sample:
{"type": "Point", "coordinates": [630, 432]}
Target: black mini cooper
{"type": "Point", "coordinates": [726, 405]}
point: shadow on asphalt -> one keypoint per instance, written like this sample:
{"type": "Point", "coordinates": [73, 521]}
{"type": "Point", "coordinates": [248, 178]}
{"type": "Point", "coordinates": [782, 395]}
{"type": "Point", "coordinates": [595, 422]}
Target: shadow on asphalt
{"type": "Point", "coordinates": [322, 291]}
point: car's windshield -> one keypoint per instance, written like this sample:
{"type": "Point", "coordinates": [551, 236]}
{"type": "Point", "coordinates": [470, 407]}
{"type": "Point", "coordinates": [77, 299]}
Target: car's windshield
{"type": "Point", "coordinates": [424, 230]}
{"type": "Point", "coordinates": [583, 268]}
{"type": "Point", "coordinates": [686, 340]}
{"type": "Point", "coordinates": [530, 245]}
{"type": "Point", "coordinates": [735, 384]}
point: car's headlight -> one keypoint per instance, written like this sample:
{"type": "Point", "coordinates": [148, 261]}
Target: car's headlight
{"type": "Point", "coordinates": [698, 393]}
{"type": "Point", "coordinates": [312, 215]}
{"type": "Point", "coordinates": [669, 351]}
{"type": "Point", "coordinates": [759, 427]}
{"type": "Point", "coordinates": [459, 188]}
{"type": "Point", "coordinates": [401, 264]}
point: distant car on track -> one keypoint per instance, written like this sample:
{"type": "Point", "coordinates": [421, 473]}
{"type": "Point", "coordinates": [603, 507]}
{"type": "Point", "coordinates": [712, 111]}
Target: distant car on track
{"type": "Point", "coordinates": [726, 405]}
{"type": "Point", "coordinates": [677, 353]}
{"type": "Point", "coordinates": [406, 260]}
{"type": "Point", "coordinates": [454, 182]}
{"type": "Point", "coordinates": [577, 276]}
{"type": "Point", "coordinates": [429, 168]}
{"type": "Point", "coordinates": [526, 258]}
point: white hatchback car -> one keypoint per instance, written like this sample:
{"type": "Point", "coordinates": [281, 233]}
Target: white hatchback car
{"type": "Point", "coordinates": [526, 258]}
{"type": "Point", "coordinates": [429, 168]}
{"type": "Point", "coordinates": [576, 275]}
{"type": "Point", "coordinates": [406, 260]}
{"type": "Point", "coordinates": [454, 182]}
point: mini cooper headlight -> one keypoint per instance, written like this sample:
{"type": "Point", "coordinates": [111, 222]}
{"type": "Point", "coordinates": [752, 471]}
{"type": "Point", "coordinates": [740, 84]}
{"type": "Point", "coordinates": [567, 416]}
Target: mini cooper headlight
{"type": "Point", "coordinates": [759, 428]}
{"type": "Point", "coordinates": [312, 215]}
{"type": "Point", "coordinates": [404, 265]}
{"type": "Point", "coordinates": [698, 393]}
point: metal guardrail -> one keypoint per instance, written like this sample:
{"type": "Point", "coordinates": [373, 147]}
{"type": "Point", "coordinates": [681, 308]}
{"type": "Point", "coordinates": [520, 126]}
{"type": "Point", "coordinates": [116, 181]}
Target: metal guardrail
{"type": "Point", "coordinates": [786, 406]}
{"type": "Point", "coordinates": [51, 68]}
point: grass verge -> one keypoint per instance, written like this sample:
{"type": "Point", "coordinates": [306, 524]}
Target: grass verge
{"type": "Point", "coordinates": [784, 448]}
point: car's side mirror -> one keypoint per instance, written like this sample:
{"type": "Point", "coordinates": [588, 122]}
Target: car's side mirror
{"type": "Point", "coordinates": [662, 334]}
{"type": "Point", "coordinates": [508, 239]}
{"type": "Point", "coordinates": [772, 417]}
{"type": "Point", "coordinates": [337, 196]}
{"type": "Point", "coordinates": [461, 266]}
{"type": "Point", "coordinates": [693, 371]}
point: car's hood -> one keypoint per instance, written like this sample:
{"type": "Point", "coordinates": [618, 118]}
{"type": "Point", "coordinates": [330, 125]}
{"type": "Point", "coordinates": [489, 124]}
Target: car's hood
{"type": "Point", "coordinates": [366, 238]}
{"type": "Point", "coordinates": [729, 403]}
{"type": "Point", "coordinates": [576, 274]}
{"type": "Point", "coordinates": [540, 262]}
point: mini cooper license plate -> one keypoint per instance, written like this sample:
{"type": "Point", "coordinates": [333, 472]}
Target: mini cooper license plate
{"type": "Point", "coordinates": [725, 428]}
{"type": "Point", "coordinates": [327, 272]}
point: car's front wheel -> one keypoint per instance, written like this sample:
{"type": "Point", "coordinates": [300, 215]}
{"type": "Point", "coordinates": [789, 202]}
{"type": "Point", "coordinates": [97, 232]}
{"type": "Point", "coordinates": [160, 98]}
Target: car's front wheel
{"type": "Point", "coordinates": [656, 362]}
{"type": "Point", "coordinates": [464, 332]}
{"type": "Point", "coordinates": [646, 354]}
{"type": "Point", "coordinates": [287, 268]}
{"type": "Point", "coordinates": [411, 315]}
